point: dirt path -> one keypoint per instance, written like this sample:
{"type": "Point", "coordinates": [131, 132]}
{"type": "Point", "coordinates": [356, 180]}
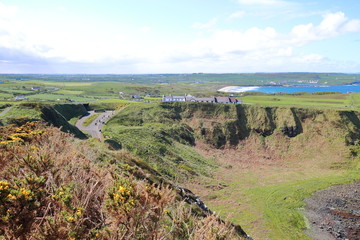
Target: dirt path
{"type": "Point", "coordinates": [94, 128]}
{"type": "Point", "coordinates": [5, 111]}
{"type": "Point", "coordinates": [334, 213]}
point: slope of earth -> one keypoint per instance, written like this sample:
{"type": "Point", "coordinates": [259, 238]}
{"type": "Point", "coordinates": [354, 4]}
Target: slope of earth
{"type": "Point", "coordinates": [256, 164]}
{"type": "Point", "coordinates": [53, 186]}
{"type": "Point", "coordinates": [56, 115]}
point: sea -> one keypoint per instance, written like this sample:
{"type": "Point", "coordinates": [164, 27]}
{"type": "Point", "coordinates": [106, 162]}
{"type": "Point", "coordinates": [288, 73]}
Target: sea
{"type": "Point", "coordinates": [292, 88]}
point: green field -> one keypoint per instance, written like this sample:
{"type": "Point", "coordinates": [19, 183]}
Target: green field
{"type": "Point", "coordinates": [340, 101]}
{"type": "Point", "coordinates": [70, 92]}
{"type": "Point", "coordinates": [152, 87]}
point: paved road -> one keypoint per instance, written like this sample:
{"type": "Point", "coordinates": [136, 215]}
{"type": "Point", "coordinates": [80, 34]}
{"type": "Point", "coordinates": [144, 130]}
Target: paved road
{"type": "Point", "coordinates": [94, 129]}
{"type": "Point", "coordinates": [5, 111]}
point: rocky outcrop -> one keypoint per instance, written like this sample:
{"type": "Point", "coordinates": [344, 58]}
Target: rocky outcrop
{"type": "Point", "coordinates": [334, 213]}
{"type": "Point", "coordinates": [291, 131]}
{"type": "Point", "coordinates": [223, 125]}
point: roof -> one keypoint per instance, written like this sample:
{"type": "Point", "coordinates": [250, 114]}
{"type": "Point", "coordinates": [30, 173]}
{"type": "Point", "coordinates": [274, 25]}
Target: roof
{"type": "Point", "coordinates": [178, 96]}
{"type": "Point", "coordinates": [205, 99]}
{"type": "Point", "coordinates": [222, 99]}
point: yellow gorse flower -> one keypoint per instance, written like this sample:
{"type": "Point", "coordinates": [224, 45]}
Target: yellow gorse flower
{"type": "Point", "coordinates": [121, 189]}
{"type": "Point", "coordinates": [79, 212]}
{"type": "Point", "coordinates": [4, 185]}
{"type": "Point", "coordinates": [12, 197]}
{"type": "Point", "coordinates": [27, 194]}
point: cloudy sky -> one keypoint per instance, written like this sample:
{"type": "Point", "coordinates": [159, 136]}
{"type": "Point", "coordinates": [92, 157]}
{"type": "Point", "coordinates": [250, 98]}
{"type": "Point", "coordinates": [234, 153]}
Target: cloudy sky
{"type": "Point", "coordinates": [173, 36]}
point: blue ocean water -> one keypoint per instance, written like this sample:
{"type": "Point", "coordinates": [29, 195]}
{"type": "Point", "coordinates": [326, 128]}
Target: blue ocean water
{"type": "Point", "coordinates": [293, 89]}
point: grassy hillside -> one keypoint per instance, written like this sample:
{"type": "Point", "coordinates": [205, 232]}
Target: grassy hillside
{"type": "Point", "coordinates": [53, 186]}
{"type": "Point", "coordinates": [56, 115]}
{"type": "Point", "coordinates": [263, 160]}
{"type": "Point", "coordinates": [253, 163]}
{"type": "Point", "coordinates": [69, 111]}
{"type": "Point", "coordinates": [153, 135]}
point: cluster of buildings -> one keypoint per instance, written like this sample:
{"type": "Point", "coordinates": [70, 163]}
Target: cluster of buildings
{"type": "Point", "coordinates": [189, 98]}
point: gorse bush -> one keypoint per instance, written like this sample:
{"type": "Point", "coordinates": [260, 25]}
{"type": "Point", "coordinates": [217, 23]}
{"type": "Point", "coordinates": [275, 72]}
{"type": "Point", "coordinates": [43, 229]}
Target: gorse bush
{"type": "Point", "coordinates": [50, 184]}
{"type": "Point", "coordinates": [53, 186]}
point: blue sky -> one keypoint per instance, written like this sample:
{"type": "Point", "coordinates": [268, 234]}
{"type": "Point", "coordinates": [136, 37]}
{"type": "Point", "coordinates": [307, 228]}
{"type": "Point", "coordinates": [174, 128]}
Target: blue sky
{"type": "Point", "coordinates": [165, 36]}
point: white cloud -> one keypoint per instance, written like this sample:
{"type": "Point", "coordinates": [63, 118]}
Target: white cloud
{"type": "Point", "coordinates": [229, 41]}
{"type": "Point", "coordinates": [62, 9]}
{"type": "Point", "coordinates": [209, 24]}
{"type": "Point", "coordinates": [7, 11]}
{"type": "Point", "coordinates": [227, 50]}
{"type": "Point", "coordinates": [332, 25]}
{"type": "Point", "coordinates": [145, 29]}
{"type": "Point", "coordinates": [267, 47]}
{"type": "Point", "coordinates": [332, 22]}
{"type": "Point", "coordinates": [262, 2]}
{"type": "Point", "coordinates": [352, 26]}
{"type": "Point", "coordinates": [238, 14]}
{"type": "Point", "coordinates": [310, 58]}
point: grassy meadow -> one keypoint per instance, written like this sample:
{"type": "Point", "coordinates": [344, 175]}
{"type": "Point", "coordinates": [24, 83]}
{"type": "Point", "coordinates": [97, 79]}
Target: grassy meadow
{"type": "Point", "coordinates": [312, 100]}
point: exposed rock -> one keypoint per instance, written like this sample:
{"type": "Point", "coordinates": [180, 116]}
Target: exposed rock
{"type": "Point", "coordinates": [335, 212]}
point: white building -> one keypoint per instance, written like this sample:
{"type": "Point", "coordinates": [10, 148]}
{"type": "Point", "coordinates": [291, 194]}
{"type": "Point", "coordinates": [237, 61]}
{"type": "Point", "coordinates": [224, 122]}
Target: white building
{"type": "Point", "coordinates": [172, 98]}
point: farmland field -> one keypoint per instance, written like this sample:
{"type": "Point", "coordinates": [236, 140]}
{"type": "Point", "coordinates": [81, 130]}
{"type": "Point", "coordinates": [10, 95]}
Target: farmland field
{"type": "Point", "coordinates": [152, 87]}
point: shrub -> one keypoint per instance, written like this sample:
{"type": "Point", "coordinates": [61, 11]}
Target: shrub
{"type": "Point", "coordinates": [53, 186]}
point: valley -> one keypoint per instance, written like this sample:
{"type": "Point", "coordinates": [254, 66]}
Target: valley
{"type": "Point", "coordinates": [253, 164]}
{"type": "Point", "coordinates": [259, 175]}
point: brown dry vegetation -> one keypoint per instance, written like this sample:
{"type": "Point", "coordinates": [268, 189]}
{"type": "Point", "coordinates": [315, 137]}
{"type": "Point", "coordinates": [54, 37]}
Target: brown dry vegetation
{"type": "Point", "coordinates": [53, 186]}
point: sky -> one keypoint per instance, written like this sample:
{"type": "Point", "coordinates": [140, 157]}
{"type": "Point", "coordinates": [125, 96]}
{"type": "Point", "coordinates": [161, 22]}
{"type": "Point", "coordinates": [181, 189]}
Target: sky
{"type": "Point", "coordinates": [187, 36]}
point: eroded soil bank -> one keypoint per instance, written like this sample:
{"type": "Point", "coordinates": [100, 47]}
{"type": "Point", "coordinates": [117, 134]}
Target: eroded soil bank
{"type": "Point", "coordinates": [334, 213]}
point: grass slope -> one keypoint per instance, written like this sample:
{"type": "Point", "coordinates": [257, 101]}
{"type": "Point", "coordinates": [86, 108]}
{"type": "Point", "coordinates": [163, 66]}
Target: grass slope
{"type": "Point", "coordinates": [162, 142]}
{"type": "Point", "coordinates": [269, 158]}
{"type": "Point", "coordinates": [25, 112]}
{"type": "Point", "coordinates": [53, 186]}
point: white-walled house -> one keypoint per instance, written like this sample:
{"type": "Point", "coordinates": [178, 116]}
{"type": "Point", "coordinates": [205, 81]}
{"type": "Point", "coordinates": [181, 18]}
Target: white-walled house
{"type": "Point", "coordinates": [172, 98]}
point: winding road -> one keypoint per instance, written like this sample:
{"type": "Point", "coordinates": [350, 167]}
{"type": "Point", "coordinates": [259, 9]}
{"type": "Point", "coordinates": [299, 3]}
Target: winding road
{"type": "Point", "coordinates": [94, 128]}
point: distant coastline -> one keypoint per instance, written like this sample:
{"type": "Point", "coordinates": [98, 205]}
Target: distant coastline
{"type": "Point", "coordinates": [238, 88]}
{"type": "Point", "coordinates": [292, 88]}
